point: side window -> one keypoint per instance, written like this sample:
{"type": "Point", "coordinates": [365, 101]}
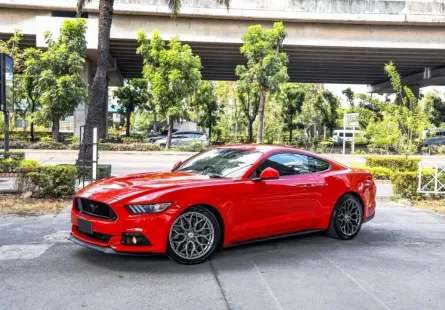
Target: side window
{"type": "Point", "coordinates": [285, 163]}
{"type": "Point", "coordinates": [317, 165]}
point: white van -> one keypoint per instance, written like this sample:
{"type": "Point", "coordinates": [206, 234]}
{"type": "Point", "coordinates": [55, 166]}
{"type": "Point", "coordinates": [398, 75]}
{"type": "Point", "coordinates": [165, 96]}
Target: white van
{"type": "Point", "coordinates": [338, 135]}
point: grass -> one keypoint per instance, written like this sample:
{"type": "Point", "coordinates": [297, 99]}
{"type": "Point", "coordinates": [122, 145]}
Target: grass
{"type": "Point", "coordinates": [15, 205]}
{"type": "Point", "coordinates": [436, 205]}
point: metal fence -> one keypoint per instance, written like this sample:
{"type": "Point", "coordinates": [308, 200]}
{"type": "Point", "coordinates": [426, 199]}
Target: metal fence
{"type": "Point", "coordinates": [431, 179]}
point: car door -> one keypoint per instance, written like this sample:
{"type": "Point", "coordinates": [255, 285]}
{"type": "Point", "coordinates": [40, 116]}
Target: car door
{"type": "Point", "coordinates": [278, 206]}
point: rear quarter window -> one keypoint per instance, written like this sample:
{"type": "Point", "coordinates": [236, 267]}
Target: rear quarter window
{"type": "Point", "coordinates": [317, 165]}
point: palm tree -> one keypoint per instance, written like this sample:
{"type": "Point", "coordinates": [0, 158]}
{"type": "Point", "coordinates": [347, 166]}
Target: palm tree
{"type": "Point", "coordinates": [100, 85]}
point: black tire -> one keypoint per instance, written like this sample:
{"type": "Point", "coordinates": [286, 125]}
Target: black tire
{"type": "Point", "coordinates": [212, 224]}
{"type": "Point", "coordinates": [338, 226]}
{"type": "Point", "coordinates": [162, 145]}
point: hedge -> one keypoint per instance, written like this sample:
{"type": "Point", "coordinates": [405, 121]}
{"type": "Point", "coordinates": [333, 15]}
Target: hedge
{"type": "Point", "coordinates": [392, 162]}
{"type": "Point", "coordinates": [53, 181]}
{"type": "Point", "coordinates": [103, 171]}
{"type": "Point", "coordinates": [378, 173]}
{"type": "Point", "coordinates": [405, 184]}
{"type": "Point", "coordinates": [12, 155]}
{"type": "Point", "coordinates": [9, 165]}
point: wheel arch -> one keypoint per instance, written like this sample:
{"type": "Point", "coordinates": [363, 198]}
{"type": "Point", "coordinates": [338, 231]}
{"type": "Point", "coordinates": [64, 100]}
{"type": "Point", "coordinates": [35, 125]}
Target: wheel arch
{"type": "Point", "coordinates": [356, 195]}
{"type": "Point", "coordinates": [217, 215]}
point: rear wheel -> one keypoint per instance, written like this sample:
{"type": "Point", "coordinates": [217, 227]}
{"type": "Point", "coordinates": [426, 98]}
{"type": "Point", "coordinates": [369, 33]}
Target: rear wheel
{"type": "Point", "coordinates": [193, 236]}
{"type": "Point", "coordinates": [346, 218]}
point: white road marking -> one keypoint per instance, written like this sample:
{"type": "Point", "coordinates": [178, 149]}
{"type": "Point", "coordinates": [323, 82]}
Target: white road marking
{"type": "Point", "coordinates": [358, 283]}
{"type": "Point", "coordinates": [31, 251]}
{"type": "Point", "coordinates": [275, 299]}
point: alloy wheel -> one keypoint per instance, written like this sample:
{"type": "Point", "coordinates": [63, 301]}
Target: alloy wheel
{"type": "Point", "coordinates": [192, 235]}
{"type": "Point", "coordinates": [349, 217]}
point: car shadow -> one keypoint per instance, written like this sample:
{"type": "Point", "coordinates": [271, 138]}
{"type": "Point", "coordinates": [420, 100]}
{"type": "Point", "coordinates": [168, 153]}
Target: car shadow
{"type": "Point", "coordinates": [274, 251]}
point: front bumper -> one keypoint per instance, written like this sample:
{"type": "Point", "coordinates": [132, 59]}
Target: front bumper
{"type": "Point", "coordinates": [153, 227]}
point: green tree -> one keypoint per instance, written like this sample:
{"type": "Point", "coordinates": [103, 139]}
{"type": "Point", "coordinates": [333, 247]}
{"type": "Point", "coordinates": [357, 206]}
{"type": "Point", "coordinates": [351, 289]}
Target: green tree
{"type": "Point", "coordinates": [99, 88]}
{"type": "Point", "coordinates": [173, 72]}
{"type": "Point", "coordinates": [436, 108]}
{"type": "Point", "coordinates": [132, 96]}
{"type": "Point", "coordinates": [266, 65]}
{"type": "Point", "coordinates": [30, 80]}
{"type": "Point", "coordinates": [410, 115]}
{"type": "Point", "coordinates": [60, 84]}
{"type": "Point", "coordinates": [291, 97]}
{"type": "Point", "coordinates": [350, 96]}
{"type": "Point", "coordinates": [327, 104]}
{"type": "Point", "coordinates": [231, 120]}
{"type": "Point", "coordinates": [207, 106]}
{"type": "Point", "coordinates": [384, 133]}
{"type": "Point", "coordinates": [248, 96]}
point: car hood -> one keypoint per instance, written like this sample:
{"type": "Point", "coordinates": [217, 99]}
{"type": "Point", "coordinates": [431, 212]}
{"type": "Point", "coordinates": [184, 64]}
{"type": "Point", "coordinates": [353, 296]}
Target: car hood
{"type": "Point", "coordinates": [135, 185]}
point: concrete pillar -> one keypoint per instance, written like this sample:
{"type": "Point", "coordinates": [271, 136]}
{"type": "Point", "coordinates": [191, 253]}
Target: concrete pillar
{"type": "Point", "coordinates": [103, 130]}
{"type": "Point", "coordinates": [80, 114]}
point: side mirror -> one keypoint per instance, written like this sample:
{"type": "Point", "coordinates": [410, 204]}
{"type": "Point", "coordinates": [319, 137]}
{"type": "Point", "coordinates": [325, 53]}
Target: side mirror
{"type": "Point", "coordinates": [179, 163]}
{"type": "Point", "coordinates": [268, 174]}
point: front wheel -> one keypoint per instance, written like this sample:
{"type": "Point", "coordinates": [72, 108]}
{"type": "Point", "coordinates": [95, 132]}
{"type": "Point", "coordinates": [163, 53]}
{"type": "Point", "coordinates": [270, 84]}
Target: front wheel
{"type": "Point", "coordinates": [193, 236]}
{"type": "Point", "coordinates": [346, 218]}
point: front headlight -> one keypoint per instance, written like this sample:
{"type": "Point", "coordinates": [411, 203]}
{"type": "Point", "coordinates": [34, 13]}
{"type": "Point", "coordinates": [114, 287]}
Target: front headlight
{"type": "Point", "coordinates": [148, 209]}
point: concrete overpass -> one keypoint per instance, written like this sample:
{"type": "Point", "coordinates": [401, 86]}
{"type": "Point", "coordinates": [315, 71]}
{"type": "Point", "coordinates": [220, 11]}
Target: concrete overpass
{"type": "Point", "coordinates": [343, 41]}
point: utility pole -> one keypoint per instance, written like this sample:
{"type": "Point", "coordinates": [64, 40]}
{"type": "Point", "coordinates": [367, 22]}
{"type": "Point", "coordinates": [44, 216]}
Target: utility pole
{"type": "Point", "coordinates": [6, 92]}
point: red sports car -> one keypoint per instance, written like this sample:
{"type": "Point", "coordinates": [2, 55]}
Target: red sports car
{"type": "Point", "coordinates": [222, 197]}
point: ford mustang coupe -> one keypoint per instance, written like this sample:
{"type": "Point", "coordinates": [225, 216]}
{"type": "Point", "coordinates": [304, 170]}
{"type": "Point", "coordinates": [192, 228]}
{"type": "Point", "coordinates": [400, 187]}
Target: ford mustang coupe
{"type": "Point", "coordinates": [222, 197]}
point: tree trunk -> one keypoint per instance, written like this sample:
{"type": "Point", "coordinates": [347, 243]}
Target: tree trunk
{"type": "Point", "coordinates": [259, 137]}
{"type": "Point", "coordinates": [33, 107]}
{"type": "Point", "coordinates": [154, 121]}
{"type": "Point", "coordinates": [55, 131]}
{"type": "Point", "coordinates": [99, 87]}
{"type": "Point", "coordinates": [250, 130]}
{"type": "Point", "coordinates": [128, 124]}
{"type": "Point", "coordinates": [170, 132]}
{"type": "Point", "coordinates": [290, 128]}
{"type": "Point", "coordinates": [210, 132]}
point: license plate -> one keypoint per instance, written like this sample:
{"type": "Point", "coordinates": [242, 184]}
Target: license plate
{"type": "Point", "coordinates": [84, 226]}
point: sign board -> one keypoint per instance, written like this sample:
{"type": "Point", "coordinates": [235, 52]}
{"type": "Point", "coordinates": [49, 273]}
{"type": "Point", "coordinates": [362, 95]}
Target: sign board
{"type": "Point", "coordinates": [6, 83]}
{"type": "Point", "coordinates": [350, 120]}
{"type": "Point", "coordinates": [20, 123]}
{"type": "Point", "coordinates": [116, 118]}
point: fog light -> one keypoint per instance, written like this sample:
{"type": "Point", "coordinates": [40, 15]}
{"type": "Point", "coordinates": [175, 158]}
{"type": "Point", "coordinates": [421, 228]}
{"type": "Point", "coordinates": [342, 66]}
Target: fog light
{"type": "Point", "coordinates": [134, 239]}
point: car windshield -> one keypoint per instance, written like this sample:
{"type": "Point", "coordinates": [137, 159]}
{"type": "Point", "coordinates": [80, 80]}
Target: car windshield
{"type": "Point", "coordinates": [223, 163]}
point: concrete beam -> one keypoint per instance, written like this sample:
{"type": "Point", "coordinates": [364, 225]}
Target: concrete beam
{"type": "Point", "coordinates": [429, 77]}
{"type": "Point", "coordinates": [425, 12]}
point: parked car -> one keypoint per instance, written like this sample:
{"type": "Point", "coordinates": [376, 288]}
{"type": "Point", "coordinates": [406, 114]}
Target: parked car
{"type": "Point", "coordinates": [222, 197]}
{"type": "Point", "coordinates": [434, 137]}
{"type": "Point", "coordinates": [182, 138]}
{"type": "Point", "coordinates": [154, 137]}
{"type": "Point", "coordinates": [337, 136]}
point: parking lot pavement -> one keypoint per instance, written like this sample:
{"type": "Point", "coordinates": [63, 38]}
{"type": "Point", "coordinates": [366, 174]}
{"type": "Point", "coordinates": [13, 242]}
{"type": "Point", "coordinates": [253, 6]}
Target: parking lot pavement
{"type": "Point", "coordinates": [396, 262]}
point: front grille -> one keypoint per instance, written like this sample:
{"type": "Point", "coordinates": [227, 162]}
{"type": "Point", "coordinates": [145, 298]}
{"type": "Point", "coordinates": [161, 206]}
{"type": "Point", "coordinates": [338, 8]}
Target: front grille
{"type": "Point", "coordinates": [94, 208]}
{"type": "Point", "coordinates": [96, 235]}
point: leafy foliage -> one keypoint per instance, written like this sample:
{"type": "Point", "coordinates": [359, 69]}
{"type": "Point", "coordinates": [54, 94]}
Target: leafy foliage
{"type": "Point", "coordinates": [292, 98]}
{"type": "Point", "coordinates": [173, 72]}
{"type": "Point", "coordinates": [350, 96]}
{"type": "Point", "coordinates": [436, 108]}
{"type": "Point", "coordinates": [130, 97]}
{"type": "Point", "coordinates": [378, 173]}
{"type": "Point", "coordinates": [207, 106]}
{"type": "Point", "coordinates": [266, 66]}
{"type": "Point", "coordinates": [59, 82]}
{"type": "Point", "coordinates": [54, 181]}
{"type": "Point", "coordinates": [328, 105]}
{"type": "Point", "coordinates": [392, 162]}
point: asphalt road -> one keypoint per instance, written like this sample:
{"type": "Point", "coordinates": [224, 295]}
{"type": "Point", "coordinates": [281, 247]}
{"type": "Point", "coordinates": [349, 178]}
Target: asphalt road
{"type": "Point", "coordinates": [396, 262]}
